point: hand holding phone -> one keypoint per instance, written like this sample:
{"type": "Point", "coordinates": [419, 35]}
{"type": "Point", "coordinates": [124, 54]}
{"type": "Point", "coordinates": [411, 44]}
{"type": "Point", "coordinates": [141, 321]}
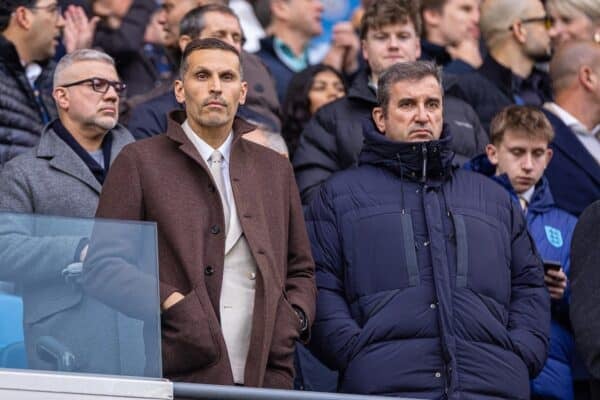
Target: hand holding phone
{"type": "Point", "coordinates": [555, 279]}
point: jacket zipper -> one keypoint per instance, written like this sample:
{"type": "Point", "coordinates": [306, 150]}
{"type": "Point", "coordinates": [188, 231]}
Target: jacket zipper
{"type": "Point", "coordinates": [424, 172]}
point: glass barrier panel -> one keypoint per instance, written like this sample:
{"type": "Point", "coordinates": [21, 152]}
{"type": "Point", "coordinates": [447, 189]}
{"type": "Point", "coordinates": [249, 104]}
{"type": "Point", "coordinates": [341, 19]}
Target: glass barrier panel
{"type": "Point", "coordinates": [79, 295]}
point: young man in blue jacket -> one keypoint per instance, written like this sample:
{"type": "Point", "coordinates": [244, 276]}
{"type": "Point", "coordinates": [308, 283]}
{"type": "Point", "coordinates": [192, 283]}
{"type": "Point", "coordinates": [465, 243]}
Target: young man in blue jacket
{"type": "Point", "coordinates": [516, 158]}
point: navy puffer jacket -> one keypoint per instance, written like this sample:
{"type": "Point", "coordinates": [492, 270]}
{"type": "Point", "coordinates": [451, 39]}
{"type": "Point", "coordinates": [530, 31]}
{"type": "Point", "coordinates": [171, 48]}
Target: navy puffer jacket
{"type": "Point", "coordinates": [429, 283]}
{"type": "Point", "coordinates": [23, 111]}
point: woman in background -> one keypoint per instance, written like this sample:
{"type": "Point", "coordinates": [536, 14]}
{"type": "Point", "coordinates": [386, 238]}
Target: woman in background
{"type": "Point", "coordinates": [308, 90]}
{"type": "Point", "coordinates": [574, 20]}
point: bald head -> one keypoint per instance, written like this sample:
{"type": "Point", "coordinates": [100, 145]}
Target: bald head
{"type": "Point", "coordinates": [569, 60]}
{"type": "Point", "coordinates": [497, 16]}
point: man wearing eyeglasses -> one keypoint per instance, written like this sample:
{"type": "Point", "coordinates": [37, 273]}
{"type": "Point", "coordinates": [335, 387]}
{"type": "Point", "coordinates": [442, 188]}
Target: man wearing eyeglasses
{"type": "Point", "coordinates": [63, 176]}
{"type": "Point", "coordinates": [516, 34]}
{"type": "Point", "coordinates": [29, 33]}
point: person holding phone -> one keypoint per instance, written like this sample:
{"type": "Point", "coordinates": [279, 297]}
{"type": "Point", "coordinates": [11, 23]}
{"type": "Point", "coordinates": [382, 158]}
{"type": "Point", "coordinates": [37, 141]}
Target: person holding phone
{"type": "Point", "coordinates": [517, 156]}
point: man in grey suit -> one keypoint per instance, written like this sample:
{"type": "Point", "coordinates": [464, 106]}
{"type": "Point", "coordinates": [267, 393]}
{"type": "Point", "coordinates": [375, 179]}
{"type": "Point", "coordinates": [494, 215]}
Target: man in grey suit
{"type": "Point", "coordinates": [63, 176]}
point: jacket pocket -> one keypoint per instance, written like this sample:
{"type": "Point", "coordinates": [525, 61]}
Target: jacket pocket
{"type": "Point", "coordinates": [483, 254]}
{"type": "Point", "coordinates": [382, 251]}
{"type": "Point", "coordinates": [189, 339]}
{"type": "Point", "coordinates": [285, 333]}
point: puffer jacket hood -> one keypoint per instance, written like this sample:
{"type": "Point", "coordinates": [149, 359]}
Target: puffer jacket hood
{"type": "Point", "coordinates": [413, 161]}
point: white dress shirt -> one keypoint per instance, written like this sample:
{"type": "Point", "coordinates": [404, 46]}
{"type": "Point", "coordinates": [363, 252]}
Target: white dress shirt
{"type": "Point", "coordinates": [206, 151]}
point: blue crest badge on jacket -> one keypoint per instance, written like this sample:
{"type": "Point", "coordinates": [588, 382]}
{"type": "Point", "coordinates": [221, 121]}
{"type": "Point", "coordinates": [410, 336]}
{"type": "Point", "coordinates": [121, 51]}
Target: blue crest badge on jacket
{"type": "Point", "coordinates": [554, 236]}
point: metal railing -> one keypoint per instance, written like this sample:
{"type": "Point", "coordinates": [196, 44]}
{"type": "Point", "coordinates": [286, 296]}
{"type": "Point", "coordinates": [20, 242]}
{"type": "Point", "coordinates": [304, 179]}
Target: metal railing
{"type": "Point", "coordinates": [217, 392]}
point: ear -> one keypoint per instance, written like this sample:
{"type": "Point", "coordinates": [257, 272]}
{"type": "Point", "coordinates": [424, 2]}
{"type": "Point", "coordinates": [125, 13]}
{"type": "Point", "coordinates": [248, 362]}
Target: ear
{"type": "Point", "coordinates": [588, 78]}
{"type": "Point", "coordinates": [22, 17]}
{"type": "Point", "coordinates": [61, 98]}
{"type": "Point", "coordinates": [363, 43]}
{"type": "Point", "coordinates": [243, 92]}
{"type": "Point", "coordinates": [418, 50]}
{"type": "Point", "coordinates": [549, 154]}
{"type": "Point", "coordinates": [279, 9]}
{"type": "Point", "coordinates": [519, 32]}
{"type": "Point", "coordinates": [492, 154]}
{"type": "Point", "coordinates": [183, 41]}
{"type": "Point", "coordinates": [179, 91]}
{"type": "Point", "coordinates": [379, 119]}
{"type": "Point", "coordinates": [431, 17]}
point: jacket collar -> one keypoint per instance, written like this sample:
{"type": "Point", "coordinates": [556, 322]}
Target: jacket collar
{"type": "Point", "coordinates": [413, 161]}
{"type": "Point", "coordinates": [565, 140]}
{"type": "Point", "coordinates": [62, 157]}
{"type": "Point", "coordinates": [9, 55]}
{"type": "Point", "coordinates": [430, 51]}
{"type": "Point", "coordinates": [175, 132]}
{"type": "Point", "coordinates": [360, 89]}
{"type": "Point", "coordinates": [497, 73]}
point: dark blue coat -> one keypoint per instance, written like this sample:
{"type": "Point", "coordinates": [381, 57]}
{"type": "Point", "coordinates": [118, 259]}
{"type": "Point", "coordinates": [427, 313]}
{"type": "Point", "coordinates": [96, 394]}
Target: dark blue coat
{"type": "Point", "coordinates": [573, 173]}
{"type": "Point", "coordinates": [552, 230]}
{"type": "Point", "coordinates": [428, 281]}
{"type": "Point", "coordinates": [280, 72]}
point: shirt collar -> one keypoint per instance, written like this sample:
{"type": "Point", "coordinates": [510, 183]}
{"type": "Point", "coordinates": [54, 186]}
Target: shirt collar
{"type": "Point", "coordinates": [33, 72]}
{"type": "Point", "coordinates": [287, 56]}
{"type": "Point", "coordinates": [204, 148]}
{"type": "Point", "coordinates": [528, 194]}
{"type": "Point", "coordinates": [567, 118]}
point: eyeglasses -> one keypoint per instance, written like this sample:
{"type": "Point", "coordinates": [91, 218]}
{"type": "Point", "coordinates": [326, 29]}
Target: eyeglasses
{"type": "Point", "coordinates": [53, 8]}
{"type": "Point", "coordinates": [547, 20]}
{"type": "Point", "coordinates": [100, 85]}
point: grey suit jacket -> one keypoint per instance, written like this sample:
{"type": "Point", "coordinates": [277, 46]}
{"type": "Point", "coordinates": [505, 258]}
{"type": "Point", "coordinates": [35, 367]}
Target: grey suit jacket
{"type": "Point", "coordinates": [52, 179]}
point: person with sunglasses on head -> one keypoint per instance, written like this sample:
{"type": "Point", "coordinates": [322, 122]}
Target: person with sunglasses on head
{"type": "Point", "coordinates": [63, 176]}
{"type": "Point", "coordinates": [517, 37]}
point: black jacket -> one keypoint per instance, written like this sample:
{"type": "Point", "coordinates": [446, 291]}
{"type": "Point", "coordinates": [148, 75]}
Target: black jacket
{"type": "Point", "coordinates": [23, 111]}
{"type": "Point", "coordinates": [332, 139]}
{"type": "Point", "coordinates": [433, 52]}
{"type": "Point", "coordinates": [493, 87]}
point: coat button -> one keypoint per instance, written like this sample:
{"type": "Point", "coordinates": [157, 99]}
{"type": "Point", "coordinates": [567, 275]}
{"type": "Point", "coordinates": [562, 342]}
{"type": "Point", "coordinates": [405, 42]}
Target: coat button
{"type": "Point", "coordinates": [211, 188]}
{"type": "Point", "coordinates": [438, 375]}
{"type": "Point", "coordinates": [252, 276]}
{"type": "Point", "coordinates": [432, 305]}
{"type": "Point", "coordinates": [215, 229]}
{"type": "Point", "coordinates": [209, 270]}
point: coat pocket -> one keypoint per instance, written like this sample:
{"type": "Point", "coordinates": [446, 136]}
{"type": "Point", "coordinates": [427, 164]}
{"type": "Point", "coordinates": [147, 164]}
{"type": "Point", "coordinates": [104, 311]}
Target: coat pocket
{"type": "Point", "coordinates": [381, 251]}
{"type": "Point", "coordinates": [285, 333]}
{"type": "Point", "coordinates": [189, 338]}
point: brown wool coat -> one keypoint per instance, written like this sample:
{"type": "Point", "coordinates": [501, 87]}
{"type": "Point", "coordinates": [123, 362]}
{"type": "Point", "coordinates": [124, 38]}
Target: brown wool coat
{"type": "Point", "coordinates": [164, 179]}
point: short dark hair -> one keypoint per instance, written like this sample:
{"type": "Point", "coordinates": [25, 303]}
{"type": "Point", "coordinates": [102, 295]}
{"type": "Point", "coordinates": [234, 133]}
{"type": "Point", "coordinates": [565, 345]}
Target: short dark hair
{"type": "Point", "coordinates": [206, 44]}
{"type": "Point", "coordinates": [527, 120]}
{"type": "Point", "coordinates": [404, 71]}
{"type": "Point", "coordinates": [7, 7]}
{"type": "Point", "coordinates": [386, 12]}
{"type": "Point", "coordinates": [193, 23]}
{"type": "Point", "coordinates": [436, 5]}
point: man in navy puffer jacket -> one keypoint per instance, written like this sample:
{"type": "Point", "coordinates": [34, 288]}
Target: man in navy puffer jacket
{"type": "Point", "coordinates": [517, 158]}
{"type": "Point", "coordinates": [429, 285]}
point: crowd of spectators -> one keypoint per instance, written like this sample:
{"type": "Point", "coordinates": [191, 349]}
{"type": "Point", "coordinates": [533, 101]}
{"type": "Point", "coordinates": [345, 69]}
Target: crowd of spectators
{"type": "Point", "coordinates": [442, 152]}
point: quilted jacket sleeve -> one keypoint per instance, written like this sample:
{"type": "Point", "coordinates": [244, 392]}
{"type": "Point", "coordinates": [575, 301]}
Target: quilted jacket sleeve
{"type": "Point", "coordinates": [316, 156]}
{"type": "Point", "coordinates": [529, 313]}
{"type": "Point", "coordinates": [335, 332]}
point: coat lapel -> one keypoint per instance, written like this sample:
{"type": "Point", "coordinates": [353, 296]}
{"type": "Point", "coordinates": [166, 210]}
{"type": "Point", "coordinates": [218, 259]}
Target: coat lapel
{"type": "Point", "coordinates": [64, 159]}
{"type": "Point", "coordinates": [567, 142]}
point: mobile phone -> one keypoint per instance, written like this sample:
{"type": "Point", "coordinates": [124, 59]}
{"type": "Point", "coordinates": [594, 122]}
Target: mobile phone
{"type": "Point", "coordinates": [553, 265]}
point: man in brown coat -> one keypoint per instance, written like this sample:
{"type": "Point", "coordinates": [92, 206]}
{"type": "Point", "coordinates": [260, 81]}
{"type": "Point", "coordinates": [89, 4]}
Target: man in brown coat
{"type": "Point", "coordinates": [236, 273]}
